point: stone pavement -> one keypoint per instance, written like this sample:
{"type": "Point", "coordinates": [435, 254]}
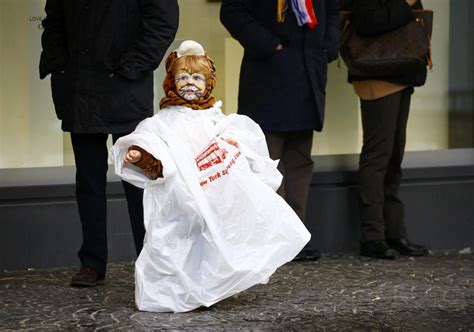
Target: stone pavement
{"type": "Point", "coordinates": [340, 292]}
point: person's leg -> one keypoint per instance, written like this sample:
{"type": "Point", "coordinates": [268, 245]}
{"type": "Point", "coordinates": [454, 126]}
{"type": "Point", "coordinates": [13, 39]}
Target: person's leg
{"type": "Point", "coordinates": [393, 211]}
{"type": "Point", "coordinates": [379, 118]}
{"type": "Point", "coordinates": [395, 229]}
{"type": "Point", "coordinates": [134, 196]}
{"type": "Point", "coordinates": [276, 143]}
{"type": "Point", "coordinates": [90, 154]}
{"type": "Point", "coordinates": [298, 166]}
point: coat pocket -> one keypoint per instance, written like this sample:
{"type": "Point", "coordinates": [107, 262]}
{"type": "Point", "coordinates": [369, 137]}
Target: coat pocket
{"type": "Point", "coordinates": [116, 99]}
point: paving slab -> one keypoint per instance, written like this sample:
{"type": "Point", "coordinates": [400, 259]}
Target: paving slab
{"type": "Point", "coordinates": [340, 292]}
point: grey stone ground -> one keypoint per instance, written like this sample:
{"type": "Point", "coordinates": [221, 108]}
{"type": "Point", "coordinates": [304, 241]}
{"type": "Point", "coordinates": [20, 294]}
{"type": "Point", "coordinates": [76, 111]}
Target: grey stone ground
{"type": "Point", "coordinates": [340, 292]}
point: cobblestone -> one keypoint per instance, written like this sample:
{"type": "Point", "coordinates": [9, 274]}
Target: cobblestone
{"type": "Point", "coordinates": [339, 292]}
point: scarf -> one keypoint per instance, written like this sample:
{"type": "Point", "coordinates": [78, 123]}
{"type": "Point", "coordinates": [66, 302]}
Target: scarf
{"type": "Point", "coordinates": [303, 9]}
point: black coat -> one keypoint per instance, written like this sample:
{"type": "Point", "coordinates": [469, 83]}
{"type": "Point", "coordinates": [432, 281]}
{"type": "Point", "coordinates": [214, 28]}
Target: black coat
{"type": "Point", "coordinates": [373, 17]}
{"type": "Point", "coordinates": [283, 90]}
{"type": "Point", "coordinates": [101, 54]}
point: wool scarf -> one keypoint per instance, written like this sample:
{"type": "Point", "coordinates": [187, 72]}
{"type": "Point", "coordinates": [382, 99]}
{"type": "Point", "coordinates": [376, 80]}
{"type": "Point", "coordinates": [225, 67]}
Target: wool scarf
{"type": "Point", "coordinates": [303, 9]}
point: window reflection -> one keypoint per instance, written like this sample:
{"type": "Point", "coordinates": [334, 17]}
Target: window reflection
{"type": "Point", "coordinates": [441, 114]}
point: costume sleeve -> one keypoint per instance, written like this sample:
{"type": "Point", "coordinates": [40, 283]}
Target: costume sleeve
{"type": "Point", "coordinates": [331, 40]}
{"type": "Point", "coordinates": [54, 54]}
{"type": "Point", "coordinates": [371, 18]}
{"type": "Point", "coordinates": [158, 29]}
{"type": "Point", "coordinates": [149, 164]}
{"type": "Point", "coordinates": [245, 28]}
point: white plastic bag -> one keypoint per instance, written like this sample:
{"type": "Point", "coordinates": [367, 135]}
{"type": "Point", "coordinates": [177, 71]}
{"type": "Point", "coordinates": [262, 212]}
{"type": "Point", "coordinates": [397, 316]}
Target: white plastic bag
{"type": "Point", "coordinates": [214, 224]}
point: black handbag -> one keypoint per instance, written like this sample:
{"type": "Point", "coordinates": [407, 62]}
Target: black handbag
{"type": "Point", "coordinates": [394, 53]}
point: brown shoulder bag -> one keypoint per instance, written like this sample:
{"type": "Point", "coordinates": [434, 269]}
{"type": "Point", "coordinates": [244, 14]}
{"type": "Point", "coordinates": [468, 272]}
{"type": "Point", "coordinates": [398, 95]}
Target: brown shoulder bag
{"type": "Point", "coordinates": [404, 50]}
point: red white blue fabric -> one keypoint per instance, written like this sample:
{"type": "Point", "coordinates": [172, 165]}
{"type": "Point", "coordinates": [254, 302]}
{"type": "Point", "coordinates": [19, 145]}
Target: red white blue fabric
{"type": "Point", "coordinates": [304, 12]}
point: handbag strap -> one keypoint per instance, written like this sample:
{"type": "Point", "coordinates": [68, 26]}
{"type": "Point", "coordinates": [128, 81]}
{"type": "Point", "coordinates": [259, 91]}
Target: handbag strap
{"type": "Point", "coordinates": [346, 25]}
{"type": "Point", "coordinates": [344, 28]}
{"type": "Point", "coordinates": [429, 58]}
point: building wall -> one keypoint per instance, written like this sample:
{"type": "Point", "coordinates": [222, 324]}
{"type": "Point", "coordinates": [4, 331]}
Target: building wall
{"type": "Point", "coordinates": [40, 224]}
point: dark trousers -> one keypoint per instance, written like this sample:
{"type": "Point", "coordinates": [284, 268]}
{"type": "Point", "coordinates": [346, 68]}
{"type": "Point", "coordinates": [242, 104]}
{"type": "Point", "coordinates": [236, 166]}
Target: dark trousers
{"type": "Point", "coordinates": [294, 151]}
{"type": "Point", "coordinates": [384, 123]}
{"type": "Point", "coordinates": [90, 153]}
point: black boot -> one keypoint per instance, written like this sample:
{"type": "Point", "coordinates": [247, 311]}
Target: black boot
{"type": "Point", "coordinates": [307, 255]}
{"type": "Point", "coordinates": [377, 249]}
{"type": "Point", "coordinates": [406, 247]}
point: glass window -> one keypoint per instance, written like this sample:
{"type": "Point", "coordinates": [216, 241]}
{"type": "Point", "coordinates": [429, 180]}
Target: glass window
{"type": "Point", "coordinates": [442, 115]}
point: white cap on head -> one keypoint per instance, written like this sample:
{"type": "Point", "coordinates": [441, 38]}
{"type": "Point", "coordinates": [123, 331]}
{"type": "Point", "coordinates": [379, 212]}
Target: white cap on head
{"type": "Point", "coordinates": [189, 47]}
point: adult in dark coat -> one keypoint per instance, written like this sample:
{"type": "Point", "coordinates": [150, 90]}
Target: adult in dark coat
{"type": "Point", "coordinates": [282, 83]}
{"type": "Point", "coordinates": [101, 56]}
{"type": "Point", "coordinates": [385, 105]}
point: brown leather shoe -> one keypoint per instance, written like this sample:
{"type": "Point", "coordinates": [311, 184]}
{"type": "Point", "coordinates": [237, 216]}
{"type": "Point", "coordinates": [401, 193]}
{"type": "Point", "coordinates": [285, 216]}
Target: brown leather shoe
{"type": "Point", "coordinates": [86, 277]}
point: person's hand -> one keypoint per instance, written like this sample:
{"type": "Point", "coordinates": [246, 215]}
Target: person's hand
{"type": "Point", "coordinates": [132, 157]}
{"type": "Point", "coordinates": [231, 141]}
{"type": "Point", "coordinates": [411, 2]}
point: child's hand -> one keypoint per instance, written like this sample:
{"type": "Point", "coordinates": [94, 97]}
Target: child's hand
{"type": "Point", "coordinates": [132, 157]}
{"type": "Point", "coordinates": [232, 141]}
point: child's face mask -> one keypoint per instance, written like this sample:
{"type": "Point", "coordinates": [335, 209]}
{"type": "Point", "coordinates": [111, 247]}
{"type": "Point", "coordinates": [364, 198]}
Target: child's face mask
{"type": "Point", "coordinates": [190, 86]}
